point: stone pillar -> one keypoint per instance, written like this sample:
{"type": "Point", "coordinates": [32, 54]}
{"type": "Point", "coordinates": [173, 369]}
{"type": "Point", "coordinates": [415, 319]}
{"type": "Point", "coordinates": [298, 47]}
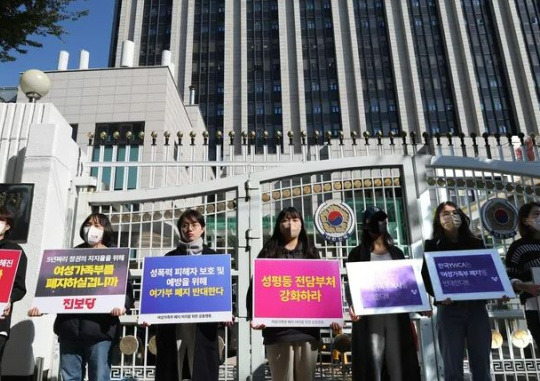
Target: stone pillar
{"type": "Point", "coordinates": [50, 163]}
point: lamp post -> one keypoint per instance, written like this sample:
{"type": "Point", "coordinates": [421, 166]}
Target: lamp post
{"type": "Point", "coordinates": [35, 84]}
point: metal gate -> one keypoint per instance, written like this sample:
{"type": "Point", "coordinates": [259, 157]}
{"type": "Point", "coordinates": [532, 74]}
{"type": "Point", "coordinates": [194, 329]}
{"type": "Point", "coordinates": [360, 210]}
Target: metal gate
{"type": "Point", "coordinates": [240, 205]}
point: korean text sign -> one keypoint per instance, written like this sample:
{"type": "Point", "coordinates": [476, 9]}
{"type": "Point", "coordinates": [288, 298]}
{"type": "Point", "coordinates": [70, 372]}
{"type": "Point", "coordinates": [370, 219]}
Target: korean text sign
{"type": "Point", "coordinates": [9, 261]}
{"type": "Point", "coordinates": [186, 288]}
{"type": "Point", "coordinates": [297, 292]}
{"type": "Point", "coordinates": [468, 275]}
{"type": "Point", "coordinates": [82, 280]}
{"type": "Point", "coordinates": [383, 287]}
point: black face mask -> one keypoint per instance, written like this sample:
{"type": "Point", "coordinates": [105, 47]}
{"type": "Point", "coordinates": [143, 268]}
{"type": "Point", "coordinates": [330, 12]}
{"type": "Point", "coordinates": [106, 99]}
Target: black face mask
{"type": "Point", "coordinates": [376, 228]}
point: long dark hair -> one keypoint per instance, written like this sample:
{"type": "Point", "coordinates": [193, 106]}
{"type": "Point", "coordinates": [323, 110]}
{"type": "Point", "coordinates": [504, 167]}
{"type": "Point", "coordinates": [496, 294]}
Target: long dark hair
{"type": "Point", "coordinates": [464, 231]}
{"type": "Point", "coordinates": [367, 239]}
{"type": "Point", "coordinates": [525, 230]}
{"type": "Point", "coordinates": [272, 248]}
{"type": "Point", "coordinates": [103, 221]}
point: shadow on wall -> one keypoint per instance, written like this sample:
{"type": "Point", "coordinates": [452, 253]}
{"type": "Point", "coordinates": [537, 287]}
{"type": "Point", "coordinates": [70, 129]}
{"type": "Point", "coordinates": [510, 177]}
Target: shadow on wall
{"type": "Point", "coordinates": [18, 354]}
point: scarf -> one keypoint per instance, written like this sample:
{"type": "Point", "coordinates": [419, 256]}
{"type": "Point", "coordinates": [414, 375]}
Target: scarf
{"type": "Point", "coordinates": [192, 248]}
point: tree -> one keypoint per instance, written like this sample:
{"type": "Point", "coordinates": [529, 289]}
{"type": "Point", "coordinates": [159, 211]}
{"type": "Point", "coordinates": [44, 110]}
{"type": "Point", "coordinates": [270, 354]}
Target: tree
{"type": "Point", "coordinates": [21, 21]}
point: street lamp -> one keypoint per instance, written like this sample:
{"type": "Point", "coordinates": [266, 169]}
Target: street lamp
{"type": "Point", "coordinates": [35, 84]}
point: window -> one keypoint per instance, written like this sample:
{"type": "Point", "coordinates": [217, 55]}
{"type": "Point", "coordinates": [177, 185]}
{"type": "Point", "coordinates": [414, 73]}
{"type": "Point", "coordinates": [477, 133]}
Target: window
{"type": "Point", "coordinates": [74, 130]}
{"type": "Point", "coordinates": [126, 150]}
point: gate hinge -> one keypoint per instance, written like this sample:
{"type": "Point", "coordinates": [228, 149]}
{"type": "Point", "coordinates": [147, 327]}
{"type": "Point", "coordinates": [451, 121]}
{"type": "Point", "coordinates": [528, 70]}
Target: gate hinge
{"type": "Point", "coordinates": [250, 185]}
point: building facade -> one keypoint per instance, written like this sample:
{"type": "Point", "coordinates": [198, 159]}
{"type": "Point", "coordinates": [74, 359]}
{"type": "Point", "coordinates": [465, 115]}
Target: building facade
{"type": "Point", "coordinates": [268, 66]}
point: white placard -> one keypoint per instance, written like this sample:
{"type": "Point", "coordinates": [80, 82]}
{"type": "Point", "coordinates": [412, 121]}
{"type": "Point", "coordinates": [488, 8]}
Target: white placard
{"type": "Point", "coordinates": [385, 287]}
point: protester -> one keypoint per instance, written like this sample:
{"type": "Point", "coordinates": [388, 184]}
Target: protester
{"type": "Point", "coordinates": [86, 339]}
{"type": "Point", "coordinates": [523, 255]}
{"type": "Point", "coordinates": [188, 350]}
{"type": "Point", "coordinates": [291, 351]}
{"type": "Point", "coordinates": [459, 323]}
{"type": "Point", "coordinates": [383, 346]}
{"type": "Point", "coordinates": [19, 286]}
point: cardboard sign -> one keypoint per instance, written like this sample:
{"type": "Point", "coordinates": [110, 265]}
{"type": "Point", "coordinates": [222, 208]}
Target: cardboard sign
{"type": "Point", "coordinates": [468, 275]}
{"type": "Point", "coordinates": [297, 292]}
{"type": "Point", "coordinates": [82, 280]}
{"type": "Point", "coordinates": [384, 287]}
{"type": "Point", "coordinates": [9, 261]}
{"type": "Point", "coordinates": [186, 289]}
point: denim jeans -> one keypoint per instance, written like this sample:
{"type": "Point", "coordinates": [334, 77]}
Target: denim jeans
{"type": "Point", "coordinates": [75, 356]}
{"type": "Point", "coordinates": [461, 323]}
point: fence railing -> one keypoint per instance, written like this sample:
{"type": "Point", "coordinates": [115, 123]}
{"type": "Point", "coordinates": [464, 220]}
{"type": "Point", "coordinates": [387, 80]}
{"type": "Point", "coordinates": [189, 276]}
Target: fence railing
{"type": "Point", "coordinates": [169, 162]}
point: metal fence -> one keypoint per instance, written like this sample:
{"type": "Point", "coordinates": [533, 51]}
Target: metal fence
{"type": "Point", "coordinates": [241, 192]}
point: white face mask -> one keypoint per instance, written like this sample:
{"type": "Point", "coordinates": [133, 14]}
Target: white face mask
{"type": "Point", "coordinates": [451, 221]}
{"type": "Point", "coordinates": [456, 220]}
{"type": "Point", "coordinates": [93, 235]}
{"type": "Point", "coordinates": [536, 224]}
{"type": "Point", "coordinates": [291, 229]}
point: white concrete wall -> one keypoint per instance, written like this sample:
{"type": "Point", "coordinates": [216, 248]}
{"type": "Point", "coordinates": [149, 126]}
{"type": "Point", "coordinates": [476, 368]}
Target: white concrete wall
{"type": "Point", "coordinates": [50, 163]}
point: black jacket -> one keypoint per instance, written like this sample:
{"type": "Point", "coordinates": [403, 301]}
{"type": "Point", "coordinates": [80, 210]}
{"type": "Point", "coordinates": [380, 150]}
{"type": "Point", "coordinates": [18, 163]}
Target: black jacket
{"type": "Point", "coordinates": [91, 328]}
{"type": "Point", "coordinates": [362, 352]}
{"type": "Point", "coordinates": [206, 362]}
{"type": "Point", "coordinates": [272, 335]}
{"type": "Point", "coordinates": [19, 286]}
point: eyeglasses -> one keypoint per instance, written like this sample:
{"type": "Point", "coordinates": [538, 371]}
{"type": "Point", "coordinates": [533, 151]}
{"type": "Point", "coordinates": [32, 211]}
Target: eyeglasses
{"type": "Point", "coordinates": [193, 225]}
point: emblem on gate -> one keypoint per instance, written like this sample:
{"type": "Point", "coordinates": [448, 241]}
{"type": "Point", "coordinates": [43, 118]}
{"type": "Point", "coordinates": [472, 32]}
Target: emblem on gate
{"type": "Point", "coordinates": [499, 218]}
{"type": "Point", "coordinates": [334, 220]}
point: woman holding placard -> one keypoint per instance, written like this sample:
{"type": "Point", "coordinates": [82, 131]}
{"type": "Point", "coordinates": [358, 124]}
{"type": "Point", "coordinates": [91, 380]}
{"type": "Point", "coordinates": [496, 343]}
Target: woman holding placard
{"type": "Point", "coordinates": [383, 346]}
{"type": "Point", "coordinates": [19, 286]}
{"type": "Point", "coordinates": [524, 255]}
{"type": "Point", "coordinates": [459, 322]}
{"type": "Point", "coordinates": [86, 339]}
{"type": "Point", "coordinates": [188, 350]}
{"type": "Point", "coordinates": [291, 351]}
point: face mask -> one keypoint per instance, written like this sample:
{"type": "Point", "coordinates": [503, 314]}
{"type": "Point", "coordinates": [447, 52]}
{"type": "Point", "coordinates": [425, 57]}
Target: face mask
{"type": "Point", "coordinates": [451, 221]}
{"type": "Point", "coordinates": [456, 220]}
{"type": "Point", "coordinates": [93, 235]}
{"type": "Point", "coordinates": [377, 228]}
{"type": "Point", "coordinates": [536, 224]}
{"type": "Point", "coordinates": [291, 230]}
{"type": "Point", "coordinates": [294, 230]}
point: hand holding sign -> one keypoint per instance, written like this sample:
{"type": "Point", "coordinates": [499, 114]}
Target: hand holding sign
{"type": "Point", "coordinates": [7, 311]}
{"type": "Point", "coordinates": [530, 288]}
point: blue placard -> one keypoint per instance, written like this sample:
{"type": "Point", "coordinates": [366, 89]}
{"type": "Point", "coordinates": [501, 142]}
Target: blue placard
{"type": "Point", "coordinates": [186, 288]}
{"type": "Point", "coordinates": [468, 275]}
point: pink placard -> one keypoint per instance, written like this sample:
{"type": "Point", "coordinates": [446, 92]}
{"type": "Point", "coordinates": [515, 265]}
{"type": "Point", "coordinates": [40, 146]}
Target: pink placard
{"type": "Point", "coordinates": [299, 292]}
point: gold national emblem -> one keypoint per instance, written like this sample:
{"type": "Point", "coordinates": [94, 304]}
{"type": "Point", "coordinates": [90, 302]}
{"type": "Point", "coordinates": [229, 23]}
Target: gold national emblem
{"type": "Point", "coordinates": [331, 225]}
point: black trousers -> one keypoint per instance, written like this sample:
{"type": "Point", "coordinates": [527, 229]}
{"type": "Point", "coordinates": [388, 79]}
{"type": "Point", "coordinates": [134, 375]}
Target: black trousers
{"type": "Point", "coordinates": [3, 340]}
{"type": "Point", "coordinates": [533, 323]}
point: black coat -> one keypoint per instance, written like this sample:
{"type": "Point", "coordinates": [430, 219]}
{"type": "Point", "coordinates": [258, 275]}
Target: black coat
{"type": "Point", "coordinates": [362, 353]}
{"type": "Point", "coordinates": [206, 361]}
{"type": "Point", "coordinates": [91, 328]}
{"type": "Point", "coordinates": [19, 286]}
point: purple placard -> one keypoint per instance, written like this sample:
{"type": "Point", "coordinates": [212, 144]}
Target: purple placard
{"type": "Point", "coordinates": [395, 287]}
{"type": "Point", "coordinates": [468, 273]}
{"type": "Point", "coordinates": [382, 287]}
{"type": "Point", "coordinates": [82, 280]}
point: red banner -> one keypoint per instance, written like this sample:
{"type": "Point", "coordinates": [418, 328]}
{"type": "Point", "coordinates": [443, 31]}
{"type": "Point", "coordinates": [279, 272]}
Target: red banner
{"type": "Point", "coordinates": [9, 260]}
